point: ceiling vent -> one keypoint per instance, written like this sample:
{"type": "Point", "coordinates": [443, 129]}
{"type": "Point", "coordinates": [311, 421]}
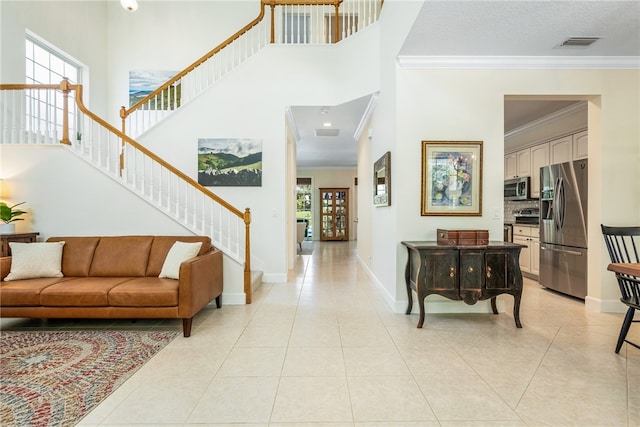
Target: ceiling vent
{"type": "Point", "coordinates": [327, 132]}
{"type": "Point", "coordinates": [579, 41]}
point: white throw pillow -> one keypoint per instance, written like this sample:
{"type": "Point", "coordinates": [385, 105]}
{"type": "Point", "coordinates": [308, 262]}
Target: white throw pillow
{"type": "Point", "coordinates": [179, 252]}
{"type": "Point", "coordinates": [34, 260]}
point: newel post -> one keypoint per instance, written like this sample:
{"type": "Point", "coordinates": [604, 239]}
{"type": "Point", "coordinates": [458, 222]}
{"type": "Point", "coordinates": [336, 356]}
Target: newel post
{"type": "Point", "coordinates": [247, 256]}
{"type": "Point", "coordinates": [65, 87]}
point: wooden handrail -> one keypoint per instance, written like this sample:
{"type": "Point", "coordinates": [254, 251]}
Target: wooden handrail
{"type": "Point", "coordinates": [124, 112]}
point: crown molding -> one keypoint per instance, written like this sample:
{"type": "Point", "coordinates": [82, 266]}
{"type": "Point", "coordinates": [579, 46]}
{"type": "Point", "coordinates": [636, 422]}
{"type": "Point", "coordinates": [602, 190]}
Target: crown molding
{"type": "Point", "coordinates": [522, 62]}
{"type": "Point", "coordinates": [543, 122]}
{"type": "Point", "coordinates": [365, 117]}
{"type": "Point", "coordinates": [292, 124]}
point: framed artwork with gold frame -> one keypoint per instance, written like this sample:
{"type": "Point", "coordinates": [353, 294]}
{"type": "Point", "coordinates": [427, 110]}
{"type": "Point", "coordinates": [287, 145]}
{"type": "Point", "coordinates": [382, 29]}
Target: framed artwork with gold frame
{"type": "Point", "coordinates": [451, 178]}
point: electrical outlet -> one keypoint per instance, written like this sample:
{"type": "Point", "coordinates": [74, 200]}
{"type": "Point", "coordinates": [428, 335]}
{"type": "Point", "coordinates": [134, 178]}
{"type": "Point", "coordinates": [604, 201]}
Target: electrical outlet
{"type": "Point", "coordinates": [497, 213]}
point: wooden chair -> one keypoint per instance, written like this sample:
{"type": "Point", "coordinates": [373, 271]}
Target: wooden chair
{"type": "Point", "coordinates": [623, 244]}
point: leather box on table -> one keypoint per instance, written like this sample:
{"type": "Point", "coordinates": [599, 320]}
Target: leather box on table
{"type": "Point", "coordinates": [462, 237]}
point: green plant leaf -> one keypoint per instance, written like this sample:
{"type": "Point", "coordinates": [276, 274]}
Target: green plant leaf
{"type": "Point", "coordinates": [8, 214]}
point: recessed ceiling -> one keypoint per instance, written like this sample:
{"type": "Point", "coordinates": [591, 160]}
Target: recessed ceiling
{"type": "Point", "coordinates": [334, 146]}
{"type": "Point", "coordinates": [479, 28]}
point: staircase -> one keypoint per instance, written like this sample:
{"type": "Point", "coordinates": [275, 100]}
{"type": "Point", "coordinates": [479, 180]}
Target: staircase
{"type": "Point", "coordinates": [116, 153]}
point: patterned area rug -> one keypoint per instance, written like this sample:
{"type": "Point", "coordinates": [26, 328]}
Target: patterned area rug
{"type": "Point", "coordinates": [55, 378]}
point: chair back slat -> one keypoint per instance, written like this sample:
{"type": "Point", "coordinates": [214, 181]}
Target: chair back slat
{"type": "Point", "coordinates": [622, 245]}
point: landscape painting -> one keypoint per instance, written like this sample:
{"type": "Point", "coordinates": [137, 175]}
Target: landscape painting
{"type": "Point", "coordinates": [142, 83]}
{"type": "Point", "coordinates": [230, 162]}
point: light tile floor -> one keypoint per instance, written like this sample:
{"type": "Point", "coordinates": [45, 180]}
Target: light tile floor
{"type": "Point", "coordinates": [324, 349]}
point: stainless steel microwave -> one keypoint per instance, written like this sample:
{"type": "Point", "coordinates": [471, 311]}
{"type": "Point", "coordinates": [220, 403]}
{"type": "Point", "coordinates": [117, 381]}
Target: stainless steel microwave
{"type": "Point", "coordinates": [517, 188]}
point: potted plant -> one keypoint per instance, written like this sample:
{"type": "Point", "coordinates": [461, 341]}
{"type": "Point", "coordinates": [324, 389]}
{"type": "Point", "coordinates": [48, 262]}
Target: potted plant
{"type": "Point", "coordinates": [9, 215]}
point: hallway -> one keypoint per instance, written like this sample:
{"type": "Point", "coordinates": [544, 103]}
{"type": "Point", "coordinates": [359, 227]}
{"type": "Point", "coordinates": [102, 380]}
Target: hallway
{"type": "Point", "coordinates": [324, 349]}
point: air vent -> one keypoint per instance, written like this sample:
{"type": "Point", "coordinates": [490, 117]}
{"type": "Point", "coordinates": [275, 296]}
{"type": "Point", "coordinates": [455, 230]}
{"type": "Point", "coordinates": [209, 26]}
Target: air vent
{"type": "Point", "coordinates": [579, 41]}
{"type": "Point", "coordinates": [327, 132]}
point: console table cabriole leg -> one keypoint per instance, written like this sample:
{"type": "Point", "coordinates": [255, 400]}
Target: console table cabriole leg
{"type": "Point", "coordinates": [408, 282]}
{"type": "Point", "coordinates": [421, 306]}
{"type": "Point", "coordinates": [493, 305]}
{"type": "Point", "coordinates": [516, 309]}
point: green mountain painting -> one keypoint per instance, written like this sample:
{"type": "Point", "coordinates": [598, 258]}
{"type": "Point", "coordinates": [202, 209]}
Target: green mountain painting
{"type": "Point", "coordinates": [230, 162]}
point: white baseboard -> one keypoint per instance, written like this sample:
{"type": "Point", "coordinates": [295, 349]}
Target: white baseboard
{"type": "Point", "coordinates": [229, 298]}
{"type": "Point", "coordinates": [604, 306]}
{"type": "Point", "coordinates": [385, 293]}
{"type": "Point", "coordinates": [274, 278]}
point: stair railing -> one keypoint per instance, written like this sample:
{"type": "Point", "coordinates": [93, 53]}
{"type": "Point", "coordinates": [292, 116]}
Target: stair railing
{"type": "Point", "coordinates": [40, 114]}
{"type": "Point", "coordinates": [291, 22]}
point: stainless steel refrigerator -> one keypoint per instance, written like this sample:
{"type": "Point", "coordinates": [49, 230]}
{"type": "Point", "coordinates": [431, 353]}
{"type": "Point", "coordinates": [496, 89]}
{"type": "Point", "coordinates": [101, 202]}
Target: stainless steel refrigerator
{"type": "Point", "coordinates": [563, 227]}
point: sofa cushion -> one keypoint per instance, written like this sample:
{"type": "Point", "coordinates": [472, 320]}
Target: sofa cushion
{"type": "Point", "coordinates": [34, 260]}
{"type": "Point", "coordinates": [179, 253]}
{"type": "Point", "coordinates": [77, 254]}
{"type": "Point", "coordinates": [121, 256]}
{"type": "Point", "coordinates": [161, 246]}
{"type": "Point", "coordinates": [80, 292]}
{"type": "Point", "coordinates": [26, 292]}
{"type": "Point", "coordinates": [145, 292]}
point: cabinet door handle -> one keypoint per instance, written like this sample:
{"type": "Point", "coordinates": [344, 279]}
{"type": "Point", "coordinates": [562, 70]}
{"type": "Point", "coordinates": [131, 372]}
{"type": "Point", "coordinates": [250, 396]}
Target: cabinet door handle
{"type": "Point", "coordinates": [452, 271]}
{"type": "Point", "coordinates": [470, 269]}
{"type": "Point", "coordinates": [488, 271]}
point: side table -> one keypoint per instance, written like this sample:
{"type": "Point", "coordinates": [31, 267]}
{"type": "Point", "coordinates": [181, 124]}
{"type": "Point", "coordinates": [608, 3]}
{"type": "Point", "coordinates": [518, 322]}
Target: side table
{"type": "Point", "coordinates": [5, 250]}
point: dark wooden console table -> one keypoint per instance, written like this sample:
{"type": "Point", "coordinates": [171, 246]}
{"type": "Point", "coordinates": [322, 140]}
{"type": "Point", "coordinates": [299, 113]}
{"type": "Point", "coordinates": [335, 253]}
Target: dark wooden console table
{"type": "Point", "coordinates": [468, 273]}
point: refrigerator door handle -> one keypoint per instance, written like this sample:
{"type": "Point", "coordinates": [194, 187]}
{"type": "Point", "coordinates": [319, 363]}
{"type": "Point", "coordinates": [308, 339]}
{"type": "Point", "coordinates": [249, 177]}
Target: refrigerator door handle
{"type": "Point", "coordinates": [558, 204]}
{"type": "Point", "coordinates": [564, 251]}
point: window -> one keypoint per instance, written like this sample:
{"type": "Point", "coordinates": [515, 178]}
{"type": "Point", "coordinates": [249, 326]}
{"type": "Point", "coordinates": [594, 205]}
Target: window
{"type": "Point", "coordinates": [44, 109]}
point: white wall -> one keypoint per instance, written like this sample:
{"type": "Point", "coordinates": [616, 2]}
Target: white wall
{"type": "Point", "coordinates": [380, 257]}
{"type": "Point", "coordinates": [468, 105]}
{"type": "Point", "coordinates": [66, 197]}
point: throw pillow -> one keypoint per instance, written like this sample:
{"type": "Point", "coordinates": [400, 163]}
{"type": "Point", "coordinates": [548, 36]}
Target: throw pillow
{"type": "Point", "coordinates": [179, 252]}
{"type": "Point", "coordinates": [34, 260]}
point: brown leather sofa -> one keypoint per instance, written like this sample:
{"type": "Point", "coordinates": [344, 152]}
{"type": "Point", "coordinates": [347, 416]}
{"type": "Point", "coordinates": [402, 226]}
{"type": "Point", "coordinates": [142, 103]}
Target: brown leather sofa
{"type": "Point", "coordinates": [117, 277]}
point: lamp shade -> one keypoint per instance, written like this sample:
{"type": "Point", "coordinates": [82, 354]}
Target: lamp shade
{"type": "Point", "coordinates": [130, 5]}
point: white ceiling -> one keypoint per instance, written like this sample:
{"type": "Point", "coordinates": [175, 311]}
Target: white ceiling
{"type": "Point", "coordinates": [469, 30]}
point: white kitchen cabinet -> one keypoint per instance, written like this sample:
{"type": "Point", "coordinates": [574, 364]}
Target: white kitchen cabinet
{"type": "Point", "coordinates": [510, 165]}
{"type": "Point", "coordinates": [517, 164]}
{"type": "Point", "coordinates": [539, 159]}
{"type": "Point", "coordinates": [524, 162]}
{"type": "Point", "coordinates": [580, 145]}
{"type": "Point", "coordinates": [530, 254]}
{"type": "Point", "coordinates": [534, 249]}
{"type": "Point", "coordinates": [561, 150]}
{"type": "Point", "coordinates": [525, 253]}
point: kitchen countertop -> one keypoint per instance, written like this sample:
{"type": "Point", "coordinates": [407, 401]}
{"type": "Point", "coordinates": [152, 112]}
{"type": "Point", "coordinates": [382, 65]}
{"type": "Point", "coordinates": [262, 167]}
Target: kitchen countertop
{"type": "Point", "coordinates": [522, 225]}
